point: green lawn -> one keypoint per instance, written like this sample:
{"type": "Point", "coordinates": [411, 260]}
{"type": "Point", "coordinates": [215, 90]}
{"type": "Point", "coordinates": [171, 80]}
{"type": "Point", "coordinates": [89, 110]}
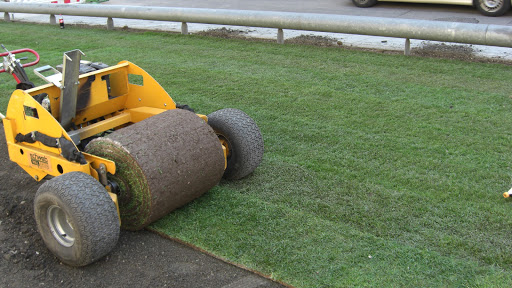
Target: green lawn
{"type": "Point", "coordinates": [379, 170]}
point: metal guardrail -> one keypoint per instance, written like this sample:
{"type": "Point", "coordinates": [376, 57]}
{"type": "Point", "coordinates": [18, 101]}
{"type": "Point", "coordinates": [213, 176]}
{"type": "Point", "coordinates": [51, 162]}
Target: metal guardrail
{"type": "Point", "coordinates": [469, 33]}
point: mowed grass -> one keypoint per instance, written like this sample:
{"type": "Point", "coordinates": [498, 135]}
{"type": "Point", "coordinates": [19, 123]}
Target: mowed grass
{"type": "Point", "coordinates": [379, 170]}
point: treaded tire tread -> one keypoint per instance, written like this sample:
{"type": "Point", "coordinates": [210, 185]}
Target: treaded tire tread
{"type": "Point", "coordinates": [92, 214]}
{"type": "Point", "coordinates": [245, 141]}
{"type": "Point", "coordinates": [504, 8]}
{"type": "Point", "coordinates": [364, 3]}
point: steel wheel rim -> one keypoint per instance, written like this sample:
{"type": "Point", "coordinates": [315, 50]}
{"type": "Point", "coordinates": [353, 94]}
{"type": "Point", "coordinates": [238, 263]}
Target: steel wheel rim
{"type": "Point", "coordinates": [60, 227]}
{"type": "Point", "coordinates": [492, 4]}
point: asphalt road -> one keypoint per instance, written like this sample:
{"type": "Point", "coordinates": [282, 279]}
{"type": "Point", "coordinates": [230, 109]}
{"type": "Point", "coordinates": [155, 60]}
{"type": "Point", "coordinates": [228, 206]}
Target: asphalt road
{"type": "Point", "coordinates": [342, 7]}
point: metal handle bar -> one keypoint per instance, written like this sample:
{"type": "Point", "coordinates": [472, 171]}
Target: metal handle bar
{"type": "Point", "coordinates": [21, 51]}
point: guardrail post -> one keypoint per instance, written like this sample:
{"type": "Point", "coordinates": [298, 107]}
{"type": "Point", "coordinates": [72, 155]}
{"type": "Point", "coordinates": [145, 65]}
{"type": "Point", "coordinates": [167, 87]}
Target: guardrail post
{"type": "Point", "coordinates": [184, 28]}
{"type": "Point", "coordinates": [6, 17]}
{"type": "Point", "coordinates": [52, 19]}
{"type": "Point", "coordinates": [407, 50]}
{"type": "Point", "coordinates": [280, 36]}
{"type": "Point", "coordinates": [110, 23]}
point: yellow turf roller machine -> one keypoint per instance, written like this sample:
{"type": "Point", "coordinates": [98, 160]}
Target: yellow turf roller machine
{"type": "Point", "coordinates": [117, 152]}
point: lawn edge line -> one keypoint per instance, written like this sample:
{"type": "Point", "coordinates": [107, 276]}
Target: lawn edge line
{"type": "Point", "coordinates": [197, 248]}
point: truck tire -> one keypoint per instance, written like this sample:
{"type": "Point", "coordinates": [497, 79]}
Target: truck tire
{"type": "Point", "coordinates": [242, 137]}
{"type": "Point", "coordinates": [492, 7]}
{"type": "Point", "coordinates": [364, 3]}
{"type": "Point", "coordinates": [76, 218]}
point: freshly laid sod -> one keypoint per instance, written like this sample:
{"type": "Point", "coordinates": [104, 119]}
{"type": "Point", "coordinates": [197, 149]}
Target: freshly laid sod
{"type": "Point", "coordinates": [379, 170]}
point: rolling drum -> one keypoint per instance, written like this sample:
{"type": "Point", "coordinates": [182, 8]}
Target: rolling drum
{"type": "Point", "coordinates": [162, 163]}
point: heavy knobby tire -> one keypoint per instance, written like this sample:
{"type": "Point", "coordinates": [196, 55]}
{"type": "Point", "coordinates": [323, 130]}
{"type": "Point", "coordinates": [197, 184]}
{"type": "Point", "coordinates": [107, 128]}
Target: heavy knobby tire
{"type": "Point", "coordinates": [243, 139]}
{"type": "Point", "coordinates": [492, 7]}
{"type": "Point", "coordinates": [364, 3]}
{"type": "Point", "coordinates": [76, 218]}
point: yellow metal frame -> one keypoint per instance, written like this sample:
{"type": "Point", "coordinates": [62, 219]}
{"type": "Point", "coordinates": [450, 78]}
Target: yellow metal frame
{"type": "Point", "coordinates": [118, 96]}
{"type": "Point", "coordinates": [126, 101]}
{"type": "Point", "coordinates": [35, 158]}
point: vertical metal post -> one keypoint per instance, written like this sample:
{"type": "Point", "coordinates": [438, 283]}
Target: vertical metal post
{"type": "Point", "coordinates": [69, 90]}
{"type": "Point", "coordinates": [6, 17]}
{"type": "Point", "coordinates": [184, 28]}
{"type": "Point", "coordinates": [53, 21]}
{"type": "Point", "coordinates": [110, 23]}
{"type": "Point", "coordinates": [280, 36]}
{"type": "Point", "coordinates": [407, 50]}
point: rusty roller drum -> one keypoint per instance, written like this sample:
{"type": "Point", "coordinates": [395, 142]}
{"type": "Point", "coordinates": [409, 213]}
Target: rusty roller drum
{"type": "Point", "coordinates": [162, 163]}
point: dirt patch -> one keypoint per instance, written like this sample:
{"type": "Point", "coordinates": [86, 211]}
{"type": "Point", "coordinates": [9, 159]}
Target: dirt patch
{"type": "Point", "coordinates": [227, 33]}
{"type": "Point", "coordinates": [442, 50]}
{"type": "Point", "coordinates": [321, 41]}
{"type": "Point", "coordinates": [463, 52]}
{"type": "Point", "coordinates": [224, 32]}
{"type": "Point", "coordinates": [18, 234]}
{"type": "Point", "coordinates": [426, 49]}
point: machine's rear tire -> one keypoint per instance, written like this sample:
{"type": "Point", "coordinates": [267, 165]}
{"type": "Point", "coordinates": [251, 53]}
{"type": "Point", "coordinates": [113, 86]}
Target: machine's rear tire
{"type": "Point", "coordinates": [76, 218]}
{"type": "Point", "coordinates": [492, 7]}
{"type": "Point", "coordinates": [243, 138]}
{"type": "Point", "coordinates": [364, 3]}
